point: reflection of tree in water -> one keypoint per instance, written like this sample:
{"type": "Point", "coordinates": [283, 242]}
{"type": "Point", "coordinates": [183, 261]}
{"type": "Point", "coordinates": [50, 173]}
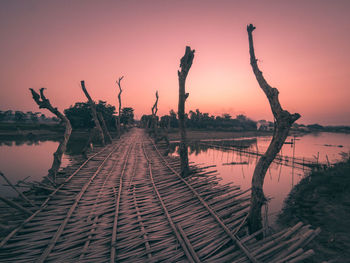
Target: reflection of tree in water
{"type": "Point", "coordinates": [23, 140]}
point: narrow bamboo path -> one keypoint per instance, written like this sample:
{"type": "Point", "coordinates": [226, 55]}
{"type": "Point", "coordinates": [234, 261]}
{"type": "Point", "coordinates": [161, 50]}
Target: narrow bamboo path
{"type": "Point", "coordinates": [128, 203]}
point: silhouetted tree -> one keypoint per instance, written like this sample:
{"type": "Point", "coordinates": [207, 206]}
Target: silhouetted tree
{"type": "Point", "coordinates": [120, 105]}
{"type": "Point", "coordinates": [44, 103]}
{"type": "Point", "coordinates": [81, 118]}
{"type": "Point", "coordinates": [185, 65]}
{"type": "Point", "coordinates": [92, 105]}
{"type": "Point", "coordinates": [127, 116]}
{"type": "Point", "coordinates": [283, 123]}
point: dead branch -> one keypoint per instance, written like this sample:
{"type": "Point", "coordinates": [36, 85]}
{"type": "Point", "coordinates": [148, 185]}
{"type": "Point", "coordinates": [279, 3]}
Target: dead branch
{"type": "Point", "coordinates": [120, 104]}
{"type": "Point", "coordinates": [283, 123]}
{"type": "Point", "coordinates": [93, 113]}
{"type": "Point", "coordinates": [44, 103]}
{"type": "Point", "coordinates": [185, 65]}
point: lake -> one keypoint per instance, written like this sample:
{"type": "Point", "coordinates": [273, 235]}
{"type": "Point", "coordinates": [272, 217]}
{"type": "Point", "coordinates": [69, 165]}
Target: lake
{"type": "Point", "coordinates": [238, 166]}
{"type": "Point", "coordinates": [20, 159]}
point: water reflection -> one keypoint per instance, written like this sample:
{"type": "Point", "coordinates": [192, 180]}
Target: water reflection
{"type": "Point", "coordinates": [237, 164]}
{"type": "Point", "coordinates": [23, 157]}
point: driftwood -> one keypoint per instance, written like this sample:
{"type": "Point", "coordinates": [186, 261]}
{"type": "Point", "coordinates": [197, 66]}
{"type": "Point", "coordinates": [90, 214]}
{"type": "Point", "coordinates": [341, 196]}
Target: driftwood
{"type": "Point", "coordinates": [94, 114]}
{"type": "Point", "coordinates": [185, 65]}
{"type": "Point", "coordinates": [154, 116]}
{"type": "Point", "coordinates": [120, 105]}
{"type": "Point", "coordinates": [107, 135]}
{"type": "Point", "coordinates": [44, 103]}
{"type": "Point", "coordinates": [283, 123]}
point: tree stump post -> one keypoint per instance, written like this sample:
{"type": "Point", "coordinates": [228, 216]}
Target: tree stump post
{"type": "Point", "coordinates": [93, 113]}
{"type": "Point", "coordinates": [44, 103]}
{"type": "Point", "coordinates": [185, 65]}
{"type": "Point", "coordinates": [283, 122]}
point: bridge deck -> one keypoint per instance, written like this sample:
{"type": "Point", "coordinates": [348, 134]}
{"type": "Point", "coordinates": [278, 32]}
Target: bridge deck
{"type": "Point", "coordinates": [127, 203]}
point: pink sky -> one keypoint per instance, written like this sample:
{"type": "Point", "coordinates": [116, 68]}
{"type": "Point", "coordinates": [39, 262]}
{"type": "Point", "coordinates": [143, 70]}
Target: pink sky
{"type": "Point", "coordinates": [301, 46]}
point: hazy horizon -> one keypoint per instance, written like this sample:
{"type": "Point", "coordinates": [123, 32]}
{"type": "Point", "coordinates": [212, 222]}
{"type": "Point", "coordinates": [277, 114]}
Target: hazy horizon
{"type": "Point", "coordinates": [301, 47]}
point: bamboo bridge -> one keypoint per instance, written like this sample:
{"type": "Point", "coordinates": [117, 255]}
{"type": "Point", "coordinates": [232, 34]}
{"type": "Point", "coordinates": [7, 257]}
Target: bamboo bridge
{"type": "Point", "coordinates": [128, 203]}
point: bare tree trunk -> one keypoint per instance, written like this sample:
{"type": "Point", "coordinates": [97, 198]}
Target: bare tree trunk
{"type": "Point", "coordinates": [88, 145]}
{"type": "Point", "coordinates": [94, 113]}
{"type": "Point", "coordinates": [283, 122]}
{"type": "Point", "coordinates": [44, 103]}
{"type": "Point", "coordinates": [154, 117]}
{"type": "Point", "coordinates": [120, 105]}
{"type": "Point", "coordinates": [108, 137]}
{"type": "Point", "coordinates": [185, 65]}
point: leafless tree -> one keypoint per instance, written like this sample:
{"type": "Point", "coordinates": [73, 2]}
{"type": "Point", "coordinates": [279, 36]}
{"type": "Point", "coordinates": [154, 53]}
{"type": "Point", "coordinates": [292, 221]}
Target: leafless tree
{"type": "Point", "coordinates": [185, 65]}
{"type": "Point", "coordinates": [283, 123]}
{"type": "Point", "coordinates": [94, 114]}
{"type": "Point", "coordinates": [154, 116]}
{"type": "Point", "coordinates": [120, 104]}
{"type": "Point", "coordinates": [44, 103]}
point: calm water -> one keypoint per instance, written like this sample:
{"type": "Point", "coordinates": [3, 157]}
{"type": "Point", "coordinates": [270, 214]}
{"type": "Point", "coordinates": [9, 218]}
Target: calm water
{"type": "Point", "coordinates": [19, 160]}
{"type": "Point", "coordinates": [281, 177]}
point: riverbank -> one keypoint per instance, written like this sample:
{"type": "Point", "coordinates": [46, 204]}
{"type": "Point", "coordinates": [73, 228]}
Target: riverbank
{"type": "Point", "coordinates": [323, 200]}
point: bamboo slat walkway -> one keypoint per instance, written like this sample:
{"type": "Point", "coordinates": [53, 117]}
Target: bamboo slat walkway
{"type": "Point", "coordinates": [127, 203]}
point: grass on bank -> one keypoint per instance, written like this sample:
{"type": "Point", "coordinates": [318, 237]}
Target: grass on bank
{"type": "Point", "coordinates": [323, 200]}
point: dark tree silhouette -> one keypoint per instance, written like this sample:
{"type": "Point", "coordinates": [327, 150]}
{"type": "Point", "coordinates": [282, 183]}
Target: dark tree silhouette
{"type": "Point", "coordinates": [92, 104]}
{"type": "Point", "coordinates": [283, 123]}
{"type": "Point", "coordinates": [120, 104]}
{"type": "Point", "coordinates": [185, 65]}
{"type": "Point", "coordinates": [44, 103]}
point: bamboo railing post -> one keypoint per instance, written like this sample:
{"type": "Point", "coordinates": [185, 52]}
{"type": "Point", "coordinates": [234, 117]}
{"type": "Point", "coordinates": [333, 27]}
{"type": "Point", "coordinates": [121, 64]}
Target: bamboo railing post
{"type": "Point", "coordinates": [93, 113]}
{"type": "Point", "coordinates": [185, 65]}
{"type": "Point", "coordinates": [120, 105]}
{"type": "Point", "coordinates": [44, 103]}
{"type": "Point", "coordinates": [283, 123]}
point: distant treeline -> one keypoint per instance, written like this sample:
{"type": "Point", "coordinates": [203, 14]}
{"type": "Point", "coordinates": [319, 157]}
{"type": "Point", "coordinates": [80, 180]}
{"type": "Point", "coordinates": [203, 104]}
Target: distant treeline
{"type": "Point", "coordinates": [27, 117]}
{"type": "Point", "coordinates": [78, 114]}
{"type": "Point", "coordinates": [199, 120]}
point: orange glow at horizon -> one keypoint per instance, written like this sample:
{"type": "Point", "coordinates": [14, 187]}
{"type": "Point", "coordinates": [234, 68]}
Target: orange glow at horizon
{"type": "Point", "coordinates": [301, 46]}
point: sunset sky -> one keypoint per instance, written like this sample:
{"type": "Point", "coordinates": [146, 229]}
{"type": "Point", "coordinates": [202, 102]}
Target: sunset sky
{"type": "Point", "coordinates": [302, 47]}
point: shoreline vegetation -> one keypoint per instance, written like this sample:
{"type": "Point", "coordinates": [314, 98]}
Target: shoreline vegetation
{"type": "Point", "coordinates": [322, 199]}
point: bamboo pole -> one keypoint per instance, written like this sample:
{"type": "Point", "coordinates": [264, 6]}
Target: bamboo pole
{"type": "Point", "coordinates": [17, 191]}
{"type": "Point", "coordinates": [15, 205]}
